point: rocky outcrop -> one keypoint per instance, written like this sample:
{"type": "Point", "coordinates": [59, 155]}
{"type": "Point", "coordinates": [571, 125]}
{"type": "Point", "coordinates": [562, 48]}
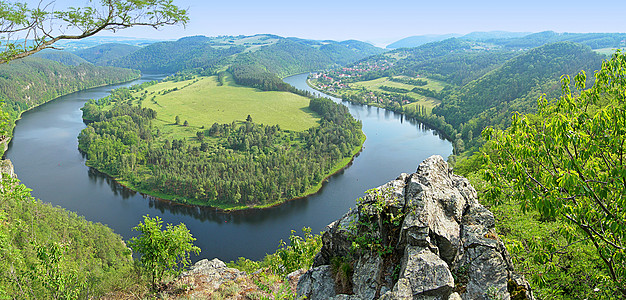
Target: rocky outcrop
{"type": "Point", "coordinates": [6, 167]}
{"type": "Point", "coordinates": [203, 279]}
{"type": "Point", "coordinates": [420, 236]}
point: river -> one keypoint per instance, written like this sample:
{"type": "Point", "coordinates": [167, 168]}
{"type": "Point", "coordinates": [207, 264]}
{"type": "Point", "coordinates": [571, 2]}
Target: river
{"type": "Point", "coordinates": [44, 151]}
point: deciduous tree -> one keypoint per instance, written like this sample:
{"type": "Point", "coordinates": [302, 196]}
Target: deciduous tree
{"type": "Point", "coordinates": [26, 30]}
{"type": "Point", "coordinates": [163, 252]}
{"type": "Point", "coordinates": [568, 161]}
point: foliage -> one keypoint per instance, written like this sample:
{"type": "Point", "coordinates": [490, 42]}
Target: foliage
{"type": "Point", "coordinates": [380, 217]}
{"type": "Point", "coordinates": [163, 252]}
{"type": "Point", "coordinates": [47, 252]}
{"type": "Point", "coordinates": [216, 171]}
{"type": "Point", "coordinates": [43, 80]}
{"type": "Point", "coordinates": [593, 40]}
{"type": "Point", "coordinates": [567, 162]}
{"type": "Point", "coordinates": [269, 274]}
{"type": "Point", "coordinates": [298, 254]}
{"type": "Point", "coordinates": [38, 26]}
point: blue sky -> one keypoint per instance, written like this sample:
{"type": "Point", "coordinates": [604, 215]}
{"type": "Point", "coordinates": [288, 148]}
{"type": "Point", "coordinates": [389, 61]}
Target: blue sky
{"type": "Point", "coordinates": [385, 21]}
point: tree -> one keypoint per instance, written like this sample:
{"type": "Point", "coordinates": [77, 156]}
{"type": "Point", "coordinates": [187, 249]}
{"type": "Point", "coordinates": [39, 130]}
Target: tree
{"type": "Point", "coordinates": [163, 252]}
{"type": "Point", "coordinates": [249, 119]}
{"type": "Point", "coordinates": [25, 30]}
{"type": "Point", "coordinates": [177, 120]}
{"type": "Point", "coordinates": [568, 161]}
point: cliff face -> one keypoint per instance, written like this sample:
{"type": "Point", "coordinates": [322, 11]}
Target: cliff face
{"type": "Point", "coordinates": [421, 236]}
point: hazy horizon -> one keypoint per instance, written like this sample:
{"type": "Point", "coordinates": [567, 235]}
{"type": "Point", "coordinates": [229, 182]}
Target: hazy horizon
{"type": "Point", "coordinates": [380, 23]}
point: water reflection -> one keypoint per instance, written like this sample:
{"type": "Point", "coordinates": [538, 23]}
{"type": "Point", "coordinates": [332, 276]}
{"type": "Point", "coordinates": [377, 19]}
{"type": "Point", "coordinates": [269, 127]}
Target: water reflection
{"type": "Point", "coordinates": [52, 166]}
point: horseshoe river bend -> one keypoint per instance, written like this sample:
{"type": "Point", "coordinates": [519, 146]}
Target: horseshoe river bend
{"type": "Point", "coordinates": [44, 151]}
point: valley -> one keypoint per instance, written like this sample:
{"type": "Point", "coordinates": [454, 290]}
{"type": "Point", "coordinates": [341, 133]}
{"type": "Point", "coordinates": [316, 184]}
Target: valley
{"type": "Point", "coordinates": [230, 131]}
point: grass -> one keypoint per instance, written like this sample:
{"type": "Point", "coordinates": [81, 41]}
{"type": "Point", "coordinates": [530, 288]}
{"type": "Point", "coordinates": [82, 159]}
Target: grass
{"type": "Point", "coordinates": [426, 103]}
{"type": "Point", "coordinates": [203, 103]}
{"type": "Point", "coordinates": [609, 51]}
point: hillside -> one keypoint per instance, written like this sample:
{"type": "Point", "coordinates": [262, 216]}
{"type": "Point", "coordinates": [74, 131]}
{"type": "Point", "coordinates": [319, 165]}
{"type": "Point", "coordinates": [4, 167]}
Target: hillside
{"type": "Point", "coordinates": [47, 252]}
{"type": "Point", "coordinates": [102, 55]}
{"type": "Point", "coordinates": [29, 82]}
{"type": "Point", "coordinates": [484, 83]}
{"type": "Point", "coordinates": [282, 56]}
{"type": "Point", "coordinates": [516, 85]}
{"type": "Point", "coordinates": [63, 57]}
{"type": "Point", "coordinates": [171, 57]}
{"type": "Point", "coordinates": [454, 61]}
{"type": "Point", "coordinates": [418, 40]}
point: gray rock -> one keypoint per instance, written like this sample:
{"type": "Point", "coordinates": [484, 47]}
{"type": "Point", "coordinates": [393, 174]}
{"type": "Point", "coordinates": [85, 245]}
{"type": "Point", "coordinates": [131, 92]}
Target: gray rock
{"type": "Point", "coordinates": [316, 283]}
{"type": "Point", "coordinates": [401, 291]}
{"type": "Point", "coordinates": [366, 276]}
{"type": "Point", "coordinates": [444, 228]}
{"type": "Point", "coordinates": [336, 239]}
{"type": "Point", "coordinates": [211, 274]}
{"type": "Point", "coordinates": [427, 273]}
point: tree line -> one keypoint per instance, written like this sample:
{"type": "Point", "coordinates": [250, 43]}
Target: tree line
{"type": "Point", "coordinates": [236, 164]}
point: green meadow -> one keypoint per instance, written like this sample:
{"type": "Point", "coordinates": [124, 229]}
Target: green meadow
{"type": "Point", "coordinates": [202, 101]}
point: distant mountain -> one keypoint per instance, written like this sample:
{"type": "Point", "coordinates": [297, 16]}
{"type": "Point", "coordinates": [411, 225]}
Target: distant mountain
{"type": "Point", "coordinates": [63, 57]}
{"type": "Point", "coordinates": [418, 40]}
{"type": "Point", "coordinates": [593, 40]}
{"type": "Point", "coordinates": [102, 55]}
{"type": "Point", "coordinates": [171, 57]}
{"type": "Point", "coordinates": [490, 35]}
{"type": "Point", "coordinates": [453, 60]}
{"type": "Point", "coordinates": [278, 55]}
{"type": "Point", "coordinates": [75, 45]}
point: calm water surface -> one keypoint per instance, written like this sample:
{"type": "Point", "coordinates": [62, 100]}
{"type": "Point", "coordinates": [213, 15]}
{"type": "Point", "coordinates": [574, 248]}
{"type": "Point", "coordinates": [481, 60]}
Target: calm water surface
{"type": "Point", "coordinates": [45, 153]}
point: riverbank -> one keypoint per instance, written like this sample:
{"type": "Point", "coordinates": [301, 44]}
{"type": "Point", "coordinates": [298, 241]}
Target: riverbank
{"type": "Point", "coordinates": [13, 122]}
{"type": "Point", "coordinates": [44, 152]}
{"type": "Point", "coordinates": [341, 165]}
{"type": "Point", "coordinates": [434, 122]}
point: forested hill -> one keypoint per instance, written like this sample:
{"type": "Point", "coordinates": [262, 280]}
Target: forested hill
{"type": "Point", "coordinates": [454, 61]}
{"type": "Point", "coordinates": [282, 56]}
{"type": "Point", "coordinates": [171, 57]}
{"type": "Point", "coordinates": [593, 40]}
{"type": "Point", "coordinates": [64, 57]}
{"type": "Point", "coordinates": [102, 55]}
{"type": "Point", "coordinates": [521, 40]}
{"type": "Point", "coordinates": [28, 82]}
{"type": "Point", "coordinates": [516, 85]}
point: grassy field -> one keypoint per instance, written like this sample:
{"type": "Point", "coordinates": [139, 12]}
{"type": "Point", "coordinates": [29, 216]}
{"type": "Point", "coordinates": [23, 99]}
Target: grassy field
{"type": "Point", "coordinates": [202, 102]}
{"type": "Point", "coordinates": [426, 102]}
